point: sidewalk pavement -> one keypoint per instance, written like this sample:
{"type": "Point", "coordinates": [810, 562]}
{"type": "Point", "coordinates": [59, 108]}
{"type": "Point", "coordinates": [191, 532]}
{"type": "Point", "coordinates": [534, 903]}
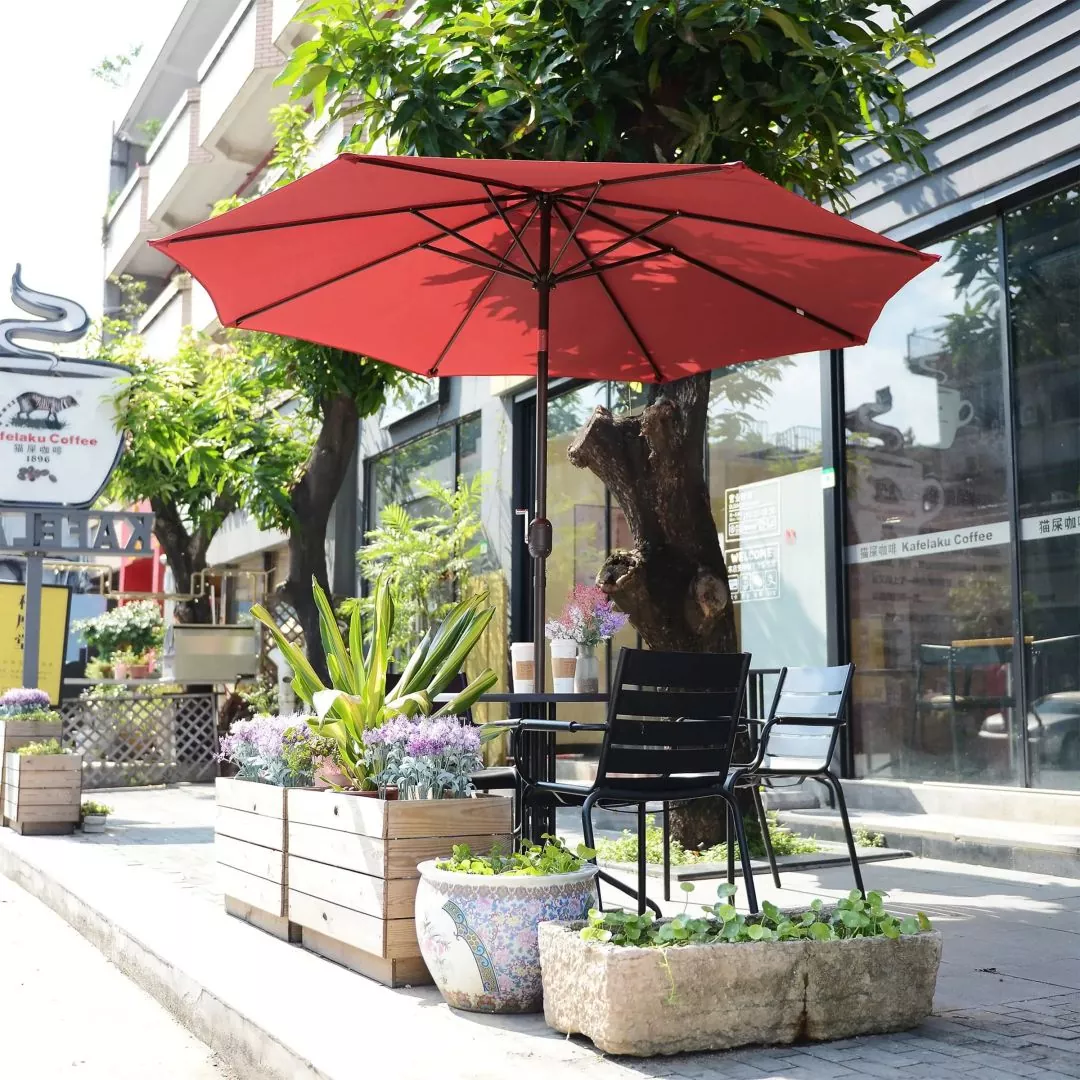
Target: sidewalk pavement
{"type": "Point", "coordinates": [1008, 1001]}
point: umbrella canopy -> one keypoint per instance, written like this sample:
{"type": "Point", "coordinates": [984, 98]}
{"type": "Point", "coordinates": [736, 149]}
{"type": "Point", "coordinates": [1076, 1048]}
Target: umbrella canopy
{"type": "Point", "coordinates": [633, 272]}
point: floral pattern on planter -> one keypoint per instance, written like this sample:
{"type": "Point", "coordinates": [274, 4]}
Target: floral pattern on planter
{"type": "Point", "coordinates": [478, 935]}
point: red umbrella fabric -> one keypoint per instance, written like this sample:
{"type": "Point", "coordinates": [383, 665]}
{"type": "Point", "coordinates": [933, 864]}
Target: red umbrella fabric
{"type": "Point", "coordinates": [656, 271]}
{"type": "Point", "coordinates": [634, 272]}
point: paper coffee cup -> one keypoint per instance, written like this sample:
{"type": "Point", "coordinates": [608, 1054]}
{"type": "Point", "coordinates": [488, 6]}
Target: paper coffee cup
{"type": "Point", "coordinates": [523, 667]}
{"type": "Point", "coordinates": [563, 665]}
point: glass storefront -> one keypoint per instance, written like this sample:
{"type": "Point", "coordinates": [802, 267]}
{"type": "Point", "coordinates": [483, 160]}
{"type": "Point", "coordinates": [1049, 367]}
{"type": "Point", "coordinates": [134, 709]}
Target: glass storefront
{"type": "Point", "coordinates": [931, 579]}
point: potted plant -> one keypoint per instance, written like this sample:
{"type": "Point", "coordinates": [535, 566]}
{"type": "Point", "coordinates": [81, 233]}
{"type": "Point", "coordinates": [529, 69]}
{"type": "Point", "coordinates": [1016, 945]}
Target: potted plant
{"type": "Point", "coordinates": [352, 861]}
{"type": "Point", "coordinates": [128, 664]}
{"type": "Point", "coordinates": [272, 754]}
{"type": "Point", "coordinates": [642, 987]}
{"type": "Point", "coordinates": [93, 815]}
{"type": "Point", "coordinates": [125, 635]}
{"type": "Point", "coordinates": [588, 619]}
{"type": "Point", "coordinates": [42, 790]}
{"type": "Point", "coordinates": [26, 716]}
{"type": "Point", "coordinates": [477, 916]}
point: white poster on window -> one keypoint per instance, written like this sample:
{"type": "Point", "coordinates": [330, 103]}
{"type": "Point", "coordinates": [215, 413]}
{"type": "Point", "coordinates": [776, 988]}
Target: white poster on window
{"type": "Point", "coordinates": [58, 435]}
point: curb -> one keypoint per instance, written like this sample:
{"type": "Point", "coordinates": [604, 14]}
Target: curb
{"type": "Point", "coordinates": [245, 1047]}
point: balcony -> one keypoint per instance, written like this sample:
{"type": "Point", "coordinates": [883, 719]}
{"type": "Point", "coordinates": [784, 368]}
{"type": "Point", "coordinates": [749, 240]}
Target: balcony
{"type": "Point", "coordinates": [127, 229]}
{"type": "Point", "coordinates": [164, 320]}
{"type": "Point", "coordinates": [286, 34]}
{"type": "Point", "coordinates": [237, 87]}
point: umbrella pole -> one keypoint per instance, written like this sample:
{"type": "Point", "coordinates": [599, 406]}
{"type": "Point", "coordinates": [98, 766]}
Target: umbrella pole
{"type": "Point", "coordinates": [540, 527]}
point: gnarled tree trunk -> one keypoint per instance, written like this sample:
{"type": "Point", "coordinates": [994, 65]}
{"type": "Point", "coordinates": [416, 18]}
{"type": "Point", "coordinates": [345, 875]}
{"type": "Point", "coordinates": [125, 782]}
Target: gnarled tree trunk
{"type": "Point", "coordinates": [673, 584]}
{"type": "Point", "coordinates": [312, 500]}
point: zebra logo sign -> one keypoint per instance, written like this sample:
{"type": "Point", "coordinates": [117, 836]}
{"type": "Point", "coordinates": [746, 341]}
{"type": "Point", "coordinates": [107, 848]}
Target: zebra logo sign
{"type": "Point", "coordinates": [58, 436]}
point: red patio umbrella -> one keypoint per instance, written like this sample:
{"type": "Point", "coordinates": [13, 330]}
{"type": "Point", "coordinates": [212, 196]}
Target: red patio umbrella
{"type": "Point", "coordinates": [634, 272]}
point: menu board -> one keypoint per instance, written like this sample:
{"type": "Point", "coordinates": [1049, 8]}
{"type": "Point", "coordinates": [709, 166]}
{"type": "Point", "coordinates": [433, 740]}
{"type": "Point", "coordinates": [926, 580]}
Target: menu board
{"type": "Point", "coordinates": [55, 600]}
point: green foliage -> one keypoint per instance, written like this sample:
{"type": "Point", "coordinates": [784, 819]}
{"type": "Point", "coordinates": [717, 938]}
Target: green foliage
{"type": "Point", "coordinates": [625, 848]}
{"type": "Point", "coordinates": [853, 916]}
{"type": "Point", "coordinates": [37, 716]}
{"type": "Point", "coordinates": [788, 86]}
{"type": "Point", "coordinates": [95, 809]}
{"type": "Point", "coordinates": [260, 697]}
{"type": "Point", "coordinates": [115, 70]}
{"type": "Point", "coordinates": [865, 838]}
{"type": "Point", "coordinates": [149, 129]}
{"type": "Point", "coordinates": [531, 860]}
{"type": "Point", "coordinates": [130, 629]}
{"type": "Point", "coordinates": [303, 758]}
{"type": "Point", "coordinates": [41, 749]}
{"type": "Point", "coordinates": [358, 698]}
{"type": "Point", "coordinates": [426, 559]}
{"type": "Point", "coordinates": [206, 436]}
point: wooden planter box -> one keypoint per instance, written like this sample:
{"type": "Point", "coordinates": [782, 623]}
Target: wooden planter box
{"type": "Point", "coordinates": [250, 843]}
{"type": "Point", "coordinates": [645, 1002]}
{"type": "Point", "coordinates": [16, 733]}
{"type": "Point", "coordinates": [42, 795]}
{"type": "Point", "coordinates": [352, 871]}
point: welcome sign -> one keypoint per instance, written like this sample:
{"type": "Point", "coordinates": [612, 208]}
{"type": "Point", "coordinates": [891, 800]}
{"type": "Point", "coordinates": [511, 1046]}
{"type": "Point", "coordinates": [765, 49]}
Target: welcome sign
{"type": "Point", "coordinates": [58, 435]}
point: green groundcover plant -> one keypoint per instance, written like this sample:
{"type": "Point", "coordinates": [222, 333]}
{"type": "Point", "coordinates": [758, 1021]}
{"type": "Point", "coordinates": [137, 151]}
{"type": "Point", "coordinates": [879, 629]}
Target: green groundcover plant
{"type": "Point", "coordinates": [530, 860]}
{"type": "Point", "coordinates": [95, 809]}
{"type": "Point", "coordinates": [851, 917]}
{"type": "Point", "coordinates": [40, 749]}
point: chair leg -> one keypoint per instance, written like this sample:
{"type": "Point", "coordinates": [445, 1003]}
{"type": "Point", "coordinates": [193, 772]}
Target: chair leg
{"type": "Point", "coordinates": [642, 865]}
{"type": "Point", "coordinates": [730, 843]}
{"type": "Point", "coordinates": [841, 805]}
{"type": "Point", "coordinates": [744, 856]}
{"type": "Point", "coordinates": [666, 818]}
{"type": "Point", "coordinates": [615, 883]}
{"type": "Point", "coordinates": [590, 839]}
{"type": "Point", "coordinates": [763, 824]}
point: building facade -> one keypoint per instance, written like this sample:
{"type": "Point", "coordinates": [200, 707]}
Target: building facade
{"type": "Point", "coordinates": [912, 505]}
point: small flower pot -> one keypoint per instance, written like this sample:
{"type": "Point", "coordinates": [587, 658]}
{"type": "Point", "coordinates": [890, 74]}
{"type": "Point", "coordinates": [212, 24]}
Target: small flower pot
{"type": "Point", "coordinates": [94, 823]}
{"type": "Point", "coordinates": [478, 934]}
{"type": "Point", "coordinates": [563, 665]}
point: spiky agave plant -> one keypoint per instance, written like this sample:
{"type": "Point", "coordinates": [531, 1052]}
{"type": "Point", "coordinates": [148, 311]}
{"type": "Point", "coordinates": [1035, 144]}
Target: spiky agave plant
{"type": "Point", "coordinates": [358, 698]}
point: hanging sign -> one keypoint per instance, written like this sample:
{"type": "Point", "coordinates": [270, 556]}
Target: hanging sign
{"type": "Point", "coordinates": [58, 435]}
{"type": "Point", "coordinates": [55, 600]}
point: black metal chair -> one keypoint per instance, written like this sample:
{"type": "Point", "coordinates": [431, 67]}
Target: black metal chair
{"type": "Point", "coordinates": [671, 726]}
{"type": "Point", "coordinates": [799, 740]}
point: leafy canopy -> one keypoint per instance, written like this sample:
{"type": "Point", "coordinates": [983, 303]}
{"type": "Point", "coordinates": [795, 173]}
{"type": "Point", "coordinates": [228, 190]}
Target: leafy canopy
{"type": "Point", "coordinates": [788, 86]}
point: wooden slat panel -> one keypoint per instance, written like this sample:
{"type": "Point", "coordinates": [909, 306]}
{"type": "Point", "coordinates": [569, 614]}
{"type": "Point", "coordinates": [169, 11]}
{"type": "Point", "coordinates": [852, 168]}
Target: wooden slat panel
{"type": "Point", "coordinates": [402, 856]}
{"type": "Point", "coordinates": [46, 796]}
{"type": "Point", "coordinates": [253, 890]}
{"type": "Point", "coordinates": [654, 761]}
{"type": "Point", "coordinates": [686, 733]}
{"type": "Point", "coordinates": [66, 780]}
{"type": "Point", "coordinates": [30, 730]}
{"type": "Point", "coordinates": [38, 763]}
{"type": "Point", "coordinates": [448, 817]}
{"type": "Point", "coordinates": [364, 854]}
{"type": "Point", "coordinates": [254, 798]}
{"type": "Point", "coordinates": [687, 671]}
{"type": "Point", "coordinates": [69, 812]}
{"type": "Point", "coordinates": [355, 814]}
{"type": "Point", "coordinates": [254, 828]}
{"type": "Point", "coordinates": [402, 971]}
{"type": "Point", "coordinates": [351, 927]}
{"type": "Point", "coordinates": [347, 888]}
{"type": "Point", "coordinates": [264, 862]}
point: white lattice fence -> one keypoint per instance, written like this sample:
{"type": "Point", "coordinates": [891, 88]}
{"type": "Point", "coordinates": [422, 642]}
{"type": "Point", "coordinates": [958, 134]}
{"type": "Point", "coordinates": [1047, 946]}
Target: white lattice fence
{"type": "Point", "coordinates": [134, 739]}
{"type": "Point", "coordinates": [284, 614]}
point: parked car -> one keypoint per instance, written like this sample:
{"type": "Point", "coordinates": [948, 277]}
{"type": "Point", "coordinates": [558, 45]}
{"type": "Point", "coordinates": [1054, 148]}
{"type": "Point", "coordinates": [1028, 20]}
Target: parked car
{"type": "Point", "coordinates": [1053, 723]}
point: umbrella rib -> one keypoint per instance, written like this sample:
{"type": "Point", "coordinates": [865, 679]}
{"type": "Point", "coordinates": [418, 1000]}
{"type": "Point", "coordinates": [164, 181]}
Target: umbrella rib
{"type": "Point", "coordinates": [495, 268]}
{"type": "Point", "coordinates": [670, 249]}
{"type": "Point", "coordinates": [387, 162]}
{"type": "Point", "coordinates": [328, 219]}
{"type": "Point", "coordinates": [848, 241]}
{"type": "Point", "coordinates": [616, 304]}
{"type": "Point", "coordinates": [458, 235]}
{"type": "Point", "coordinates": [572, 233]}
{"type": "Point", "coordinates": [592, 271]}
{"type": "Point", "coordinates": [666, 174]}
{"type": "Point", "coordinates": [629, 239]}
{"type": "Point", "coordinates": [415, 246]}
{"type": "Point", "coordinates": [513, 232]}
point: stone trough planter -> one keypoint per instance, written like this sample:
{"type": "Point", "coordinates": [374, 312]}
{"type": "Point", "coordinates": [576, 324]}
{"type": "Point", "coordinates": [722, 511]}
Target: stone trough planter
{"type": "Point", "coordinates": [645, 1002]}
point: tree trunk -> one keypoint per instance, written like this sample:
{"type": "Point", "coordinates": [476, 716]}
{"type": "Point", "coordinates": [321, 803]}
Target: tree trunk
{"type": "Point", "coordinates": [312, 499]}
{"type": "Point", "coordinates": [673, 584]}
{"type": "Point", "coordinates": [186, 556]}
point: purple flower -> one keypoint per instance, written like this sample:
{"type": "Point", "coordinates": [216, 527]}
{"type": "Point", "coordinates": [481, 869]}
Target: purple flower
{"type": "Point", "coordinates": [24, 699]}
{"type": "Point", "coordinates": [588, 618]}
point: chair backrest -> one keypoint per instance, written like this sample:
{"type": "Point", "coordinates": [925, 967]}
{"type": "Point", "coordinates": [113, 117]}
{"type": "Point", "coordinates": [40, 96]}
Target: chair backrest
{"type": "Point", "coordinates": [672, 719]}
{"type": "Point", "coordinates": [808, 693]}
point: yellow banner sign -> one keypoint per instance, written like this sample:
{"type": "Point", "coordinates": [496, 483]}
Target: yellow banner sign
{"type": "Point", "coordinates": [55, 600]}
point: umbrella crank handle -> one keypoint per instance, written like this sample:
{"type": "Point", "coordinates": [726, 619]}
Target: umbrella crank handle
{"type": "Point", "coordinates": [537, 535]}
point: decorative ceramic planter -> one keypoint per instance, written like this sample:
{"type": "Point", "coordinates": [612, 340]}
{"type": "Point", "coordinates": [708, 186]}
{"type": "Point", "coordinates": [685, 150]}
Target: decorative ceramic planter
{"type": "Point", "coordinates": [42, 793]}
{"type": "Point", "coordinates": [251, 846]}
{"type": "Point", "coordinates": [352, 871]}
{"type": "Point", "coordinates": [645, 1002]}
{"type": "Point", "coordinates": [94, 823]}
{"type": "Point", "coordinates": [477, 933]}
